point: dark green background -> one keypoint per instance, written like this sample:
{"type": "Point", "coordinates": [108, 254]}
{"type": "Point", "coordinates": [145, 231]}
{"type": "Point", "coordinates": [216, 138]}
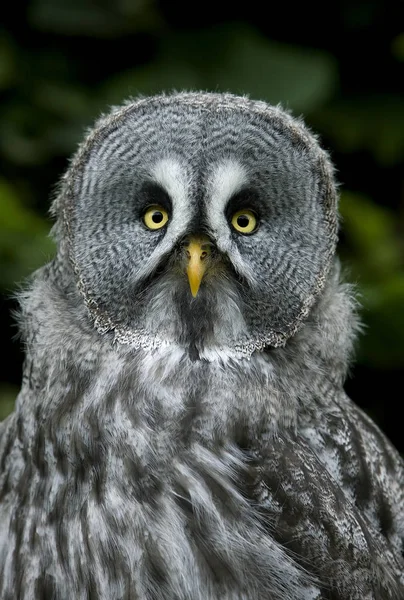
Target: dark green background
{"type": "Point", "coordinates": [62, 63]}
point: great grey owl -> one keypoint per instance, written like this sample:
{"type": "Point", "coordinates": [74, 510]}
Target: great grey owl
{"type": "Point", "coordinates": [182, 432]}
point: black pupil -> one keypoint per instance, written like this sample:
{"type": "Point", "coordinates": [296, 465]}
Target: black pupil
{"type": "Point", "coordinates": [157, 216]}
{"type": "Point", "coordinates": [243, 221]}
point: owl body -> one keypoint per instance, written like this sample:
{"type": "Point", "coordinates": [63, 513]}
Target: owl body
{"type": "Point", "coordinates": [180, 442]}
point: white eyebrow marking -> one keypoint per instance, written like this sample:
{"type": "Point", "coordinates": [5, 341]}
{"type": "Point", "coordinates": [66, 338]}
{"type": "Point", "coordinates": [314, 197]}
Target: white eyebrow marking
{"type": "Point", "coordinates": [172, 176]}
{"type": "Point", "coordinates": [227, 179]}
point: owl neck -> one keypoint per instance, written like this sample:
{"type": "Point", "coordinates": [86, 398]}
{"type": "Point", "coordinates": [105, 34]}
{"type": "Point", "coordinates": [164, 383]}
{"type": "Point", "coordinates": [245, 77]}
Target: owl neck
{"type": "Point", "coordinates": [70, 364]}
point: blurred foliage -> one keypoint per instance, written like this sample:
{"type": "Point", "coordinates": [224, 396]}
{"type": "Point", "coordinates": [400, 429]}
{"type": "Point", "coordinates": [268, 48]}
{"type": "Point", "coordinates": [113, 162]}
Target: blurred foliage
{"type": "Point", "coordinates": [24, 241]}
{"type": "Point", "coordinates": [7, 399]}
{"type": "Point", "coordinates": [376, 126]}
{"type": "Point", "coordinates": [232, 57]}
{"type": "Point", "coordinates": [61, 64]}
{"type": "Point", "coordinates": [374, 251]}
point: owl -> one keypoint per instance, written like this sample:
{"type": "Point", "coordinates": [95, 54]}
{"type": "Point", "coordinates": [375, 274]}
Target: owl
{"type": "Point", "coordinates": [182, 432]}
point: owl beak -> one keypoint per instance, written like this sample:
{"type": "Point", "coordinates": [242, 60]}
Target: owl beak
{"type": "Point", "coordinates": [197, 252]}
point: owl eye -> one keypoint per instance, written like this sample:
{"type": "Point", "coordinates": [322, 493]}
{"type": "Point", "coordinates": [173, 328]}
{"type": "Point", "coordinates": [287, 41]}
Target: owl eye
{"type": "Point", "coordinates": [244, 221]}
{"type": "Point", "coordinates": [155, 217]}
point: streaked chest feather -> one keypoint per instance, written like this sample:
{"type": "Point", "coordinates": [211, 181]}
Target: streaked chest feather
{"type": "Point", "coordinates": [145, 487]}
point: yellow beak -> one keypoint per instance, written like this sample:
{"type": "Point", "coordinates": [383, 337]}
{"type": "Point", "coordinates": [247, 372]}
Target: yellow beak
{"type": "Point", "coordinates": [198, 249]}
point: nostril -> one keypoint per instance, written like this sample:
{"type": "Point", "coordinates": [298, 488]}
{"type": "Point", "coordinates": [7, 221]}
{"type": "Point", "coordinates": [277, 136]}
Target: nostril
{"type": "Point", "coordinates": [188, 254]}
{"type": "Point", "coordinates": [204, 254]}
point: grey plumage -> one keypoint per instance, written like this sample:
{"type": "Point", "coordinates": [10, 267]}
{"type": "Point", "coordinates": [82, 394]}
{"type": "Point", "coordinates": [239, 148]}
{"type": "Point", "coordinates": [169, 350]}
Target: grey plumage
{"type": "Point", "coordinates": [171, 447]}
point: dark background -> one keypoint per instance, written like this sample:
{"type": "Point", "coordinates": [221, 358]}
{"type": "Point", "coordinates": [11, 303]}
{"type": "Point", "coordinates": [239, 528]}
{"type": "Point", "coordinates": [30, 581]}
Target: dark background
{"type": "Point", "coordinates": [62, 63]}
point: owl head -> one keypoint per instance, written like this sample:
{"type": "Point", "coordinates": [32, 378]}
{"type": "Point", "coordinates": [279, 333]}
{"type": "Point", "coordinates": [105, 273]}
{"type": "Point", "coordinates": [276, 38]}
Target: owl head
{"type": "Point", "coordinates": [203, 220]}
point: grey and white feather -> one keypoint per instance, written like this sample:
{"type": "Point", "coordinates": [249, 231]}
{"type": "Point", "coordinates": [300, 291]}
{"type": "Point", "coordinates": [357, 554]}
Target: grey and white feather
{"type": "Point", "coordinates": [173, 442]}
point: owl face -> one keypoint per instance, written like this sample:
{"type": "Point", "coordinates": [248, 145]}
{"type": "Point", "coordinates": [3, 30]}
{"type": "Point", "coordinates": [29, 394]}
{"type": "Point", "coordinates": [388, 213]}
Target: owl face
{"type": "Point", "coordinates": [200, 219]}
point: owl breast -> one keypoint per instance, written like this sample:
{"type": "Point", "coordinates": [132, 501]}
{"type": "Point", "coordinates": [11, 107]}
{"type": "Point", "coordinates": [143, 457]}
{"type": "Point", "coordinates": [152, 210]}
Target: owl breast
{"type": "Point", "coordinates": [154, 491]}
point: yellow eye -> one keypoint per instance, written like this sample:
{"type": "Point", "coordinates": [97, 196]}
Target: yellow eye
{"type": "Point", "coordinates": [155, 217]}
{"type": "Point", "coordinates": [244, 221]}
